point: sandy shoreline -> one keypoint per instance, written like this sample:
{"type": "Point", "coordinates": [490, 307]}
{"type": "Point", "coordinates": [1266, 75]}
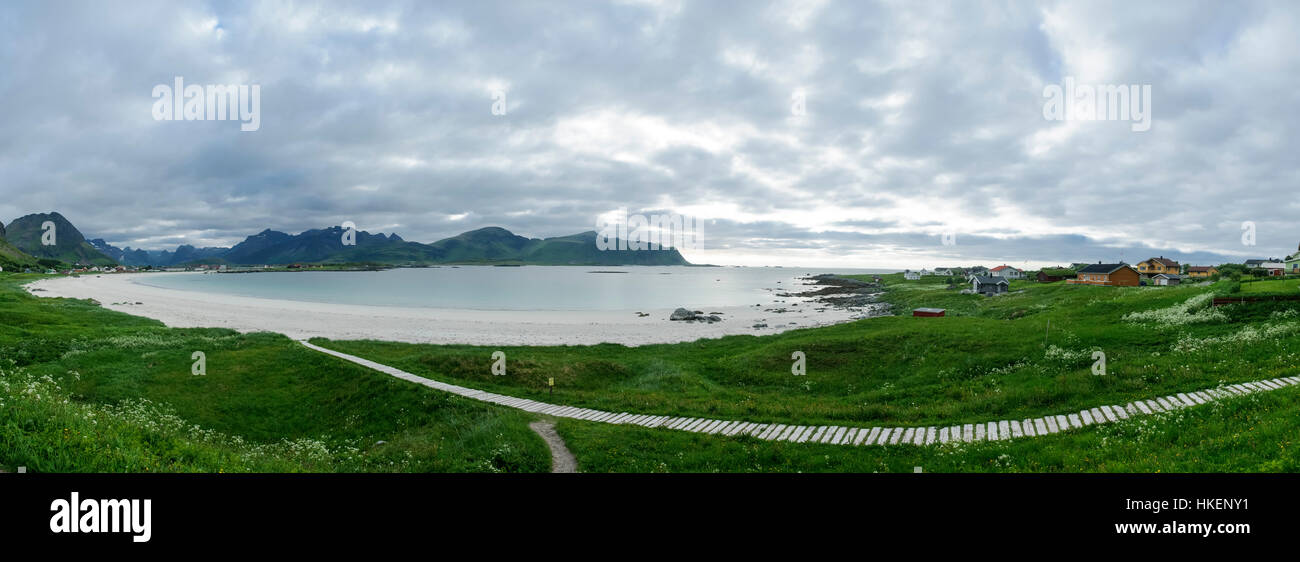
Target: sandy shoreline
{"type": "Point", "coordinates": [302, 320]}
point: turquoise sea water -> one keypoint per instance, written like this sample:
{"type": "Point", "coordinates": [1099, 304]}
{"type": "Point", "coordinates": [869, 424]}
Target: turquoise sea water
{"type": "Point", "coordinates": [510, 288]}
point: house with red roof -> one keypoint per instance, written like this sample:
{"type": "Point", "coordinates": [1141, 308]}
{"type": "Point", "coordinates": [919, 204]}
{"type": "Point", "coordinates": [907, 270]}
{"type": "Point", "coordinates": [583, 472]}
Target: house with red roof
{"type": "Point", "coordinates": [1007, 272]}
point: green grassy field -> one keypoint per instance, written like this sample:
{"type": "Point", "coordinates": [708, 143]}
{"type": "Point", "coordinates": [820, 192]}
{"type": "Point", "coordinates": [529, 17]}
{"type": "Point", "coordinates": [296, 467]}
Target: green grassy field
{"type": "Point", "coordinates": [991, 358]}
{"type": "Point", "coordinates": [94, 390]}
{"type": "Point", "coordinates": [1271, 287]}
{"type": "Point", "coordinates": [1250, 434]}
{"type": "Point", "coordinates": [87, 389]}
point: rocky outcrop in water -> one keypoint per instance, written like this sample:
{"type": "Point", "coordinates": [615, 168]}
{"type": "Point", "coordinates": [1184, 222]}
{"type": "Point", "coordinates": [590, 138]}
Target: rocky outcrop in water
{"type": "Point", "coordinates": [840, 291]}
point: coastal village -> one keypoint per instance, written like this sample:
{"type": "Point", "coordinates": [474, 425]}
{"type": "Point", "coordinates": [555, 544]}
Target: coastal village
{"type": "Point", "coordinates": [1157, 271]}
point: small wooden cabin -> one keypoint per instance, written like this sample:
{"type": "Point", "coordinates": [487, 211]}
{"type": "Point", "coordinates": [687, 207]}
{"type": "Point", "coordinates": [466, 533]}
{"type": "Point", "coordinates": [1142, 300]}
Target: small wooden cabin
{"type": "Point", "coordinates": [1108, 274]}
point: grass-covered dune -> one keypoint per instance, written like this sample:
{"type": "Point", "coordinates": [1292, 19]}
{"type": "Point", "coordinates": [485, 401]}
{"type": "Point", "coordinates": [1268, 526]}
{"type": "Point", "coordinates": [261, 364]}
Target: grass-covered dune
{"type": "Point", "coordinates": [88, 389]}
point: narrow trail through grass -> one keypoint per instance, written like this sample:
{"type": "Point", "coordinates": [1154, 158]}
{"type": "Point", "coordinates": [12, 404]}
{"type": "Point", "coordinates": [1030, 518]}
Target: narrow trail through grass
{"type": "Point", "coordinates": [562, 461]}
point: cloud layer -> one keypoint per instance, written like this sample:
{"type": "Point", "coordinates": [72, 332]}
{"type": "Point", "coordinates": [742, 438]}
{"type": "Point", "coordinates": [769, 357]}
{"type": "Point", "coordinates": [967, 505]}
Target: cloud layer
{"type": "Point", "coordinates": [921, 118]}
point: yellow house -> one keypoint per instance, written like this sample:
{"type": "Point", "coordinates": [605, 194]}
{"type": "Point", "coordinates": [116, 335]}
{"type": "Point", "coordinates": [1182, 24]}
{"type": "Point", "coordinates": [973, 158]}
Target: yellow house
{"type": "Point", "coordinates": [1202, 271]}
{"type": "Point", "coordinates": [1156, 266]}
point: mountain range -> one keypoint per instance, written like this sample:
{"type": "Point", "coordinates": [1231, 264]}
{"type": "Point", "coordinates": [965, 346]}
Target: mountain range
{"type": "Point", "coordinates": [490, 245]}
{"type": "Point", "coordinates": [184, 253]}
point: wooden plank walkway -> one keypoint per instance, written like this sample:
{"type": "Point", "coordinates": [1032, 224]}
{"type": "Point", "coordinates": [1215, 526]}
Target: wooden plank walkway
{"type": "Point", "coordinates": [838, 435]}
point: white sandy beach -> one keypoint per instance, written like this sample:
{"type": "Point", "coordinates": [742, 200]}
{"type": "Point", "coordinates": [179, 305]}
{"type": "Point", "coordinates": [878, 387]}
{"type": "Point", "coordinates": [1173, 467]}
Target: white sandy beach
{"type": "Point", "coordinates": [302, 320]}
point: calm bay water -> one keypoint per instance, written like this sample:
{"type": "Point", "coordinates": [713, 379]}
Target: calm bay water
{"type": "Point", "coordinates": [510, 288]}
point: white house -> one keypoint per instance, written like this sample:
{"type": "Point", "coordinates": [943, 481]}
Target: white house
{"type": "Point", "coordinates": [925, 272]}
{"type": "Point", "coordinates": [912, 275]}
{"type": "Point", "coordinates": [1166, 279]}
{"type": "Point", "coordinates": [1007, 272]}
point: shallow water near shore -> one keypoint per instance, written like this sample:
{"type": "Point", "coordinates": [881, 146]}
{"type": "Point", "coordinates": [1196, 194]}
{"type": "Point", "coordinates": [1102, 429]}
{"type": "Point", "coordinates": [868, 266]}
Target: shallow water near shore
{"type": "Point", "coordinates": [510, 288]}
{"type": "Point", "coordinates": [304, 319]}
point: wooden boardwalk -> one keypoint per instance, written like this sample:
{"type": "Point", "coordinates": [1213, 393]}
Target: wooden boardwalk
{"type": "Point", "coordinates": [840, 435]}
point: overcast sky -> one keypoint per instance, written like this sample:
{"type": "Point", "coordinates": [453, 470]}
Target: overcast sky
{"type": "Point", "coordinates": [921, 118]}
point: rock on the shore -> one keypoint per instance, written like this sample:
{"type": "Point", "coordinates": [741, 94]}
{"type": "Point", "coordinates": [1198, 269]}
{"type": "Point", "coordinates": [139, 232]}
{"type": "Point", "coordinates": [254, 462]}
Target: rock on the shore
{"type": "Point", "coordinates": [683, 314]}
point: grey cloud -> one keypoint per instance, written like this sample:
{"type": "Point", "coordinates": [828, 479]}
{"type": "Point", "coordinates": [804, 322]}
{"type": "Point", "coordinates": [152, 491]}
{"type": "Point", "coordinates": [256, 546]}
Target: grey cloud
{"type": "Point", "coordinates": [919, 115]}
